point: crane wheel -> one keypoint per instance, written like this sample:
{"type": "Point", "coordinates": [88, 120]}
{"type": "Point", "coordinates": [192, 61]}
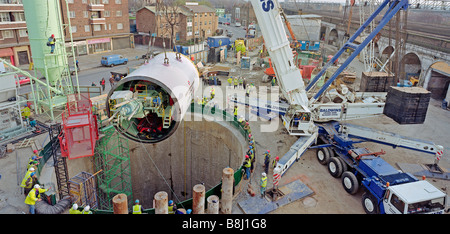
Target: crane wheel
{"type": "Point", "coordinates": [369, 203]}
{"type": "Point", "coordinates": [335, 167]}
{"type": "Point", "coordinates": [323, 155]}
{"type": "Point", "coordinates": [350, 182]}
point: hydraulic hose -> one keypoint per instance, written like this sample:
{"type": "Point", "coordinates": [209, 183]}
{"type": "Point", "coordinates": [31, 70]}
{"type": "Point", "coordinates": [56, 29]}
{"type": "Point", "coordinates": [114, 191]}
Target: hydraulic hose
{"type": "Point", "coordinates": [42, 207]}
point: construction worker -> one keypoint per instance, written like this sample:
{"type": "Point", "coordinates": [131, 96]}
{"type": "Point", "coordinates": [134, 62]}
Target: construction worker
{"type": "Point", "coordinates": [137, 209]}
{"type": "Point", "coordinates": [247, 165]}
{"type": "Point", "coordinates": [27, 175]}
{"type": "Point", "coordinates": [51, 42]}
{"type": "Point", "coordinates": [247, 91]}
{"type": "Point", "coordinates": [34, 196]}
{"type": "Point", "coordinates": [266, 161]}
{"type": "Point", "coordinates": [215, 79]}
{"type": "Point", "coordinates": [26, 112]}
{"type": "Point", "coordinates": [247, 127]}
{"type": "Point", "coordinates": [172, 207]}
{"type": "Point", "coordinates": [240, 81]}
{"type": "Point", "coordinates": [244, 83]}
{"type": "Point", "coordinates": [274, 162]}
{"type": "Point", "coordinates": [251, 153]}
{"type": "Point", "coordinates": [235, 112]}
{"type": "Point", "coordinates": [74, 209]}
{"type": "Point", "coordinates": [250, 137]}
{"type": "Point", "coordinates": [263, 184]}
{"type": "Point", "coordinates": [33, 159]}
{"type": "Point", "coordinates": [29, 183]}
{"type": "Point", "coordinates": [241, 120]}
{"type": "Point", "coordinates": [87, 210]}
{"type": "Point", "coordinates": [235, 82]}
{"type": "Point", "coordinates": [212, 92]}
{"type": "Point", "coordinates": [274, 80]}
{"type": "Point", "coordinates": [211, 82]}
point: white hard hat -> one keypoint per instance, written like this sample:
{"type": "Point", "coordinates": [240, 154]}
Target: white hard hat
{"type": "Point", "coordinates": [75, 206]}
{"type": "Point", "coordinates": [37, 186]}
{"type": "Point", "coordinates": [87, 208]}
{"type": "Point", "coordinates": [264, 174]}
{"type": "Point", "coordinates": [31, 169]}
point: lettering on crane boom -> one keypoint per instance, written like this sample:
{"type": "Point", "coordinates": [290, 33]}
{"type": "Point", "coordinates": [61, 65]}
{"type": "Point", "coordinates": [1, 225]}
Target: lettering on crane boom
{"type": "Point", "coordinates": [267, 5]}
{"type": "Point", "coordinates": [328, 112]}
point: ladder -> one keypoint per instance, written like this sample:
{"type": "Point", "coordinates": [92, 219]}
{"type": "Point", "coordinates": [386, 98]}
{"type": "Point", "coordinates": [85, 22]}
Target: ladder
{"type": "Point", "coordinates": [167, 119]}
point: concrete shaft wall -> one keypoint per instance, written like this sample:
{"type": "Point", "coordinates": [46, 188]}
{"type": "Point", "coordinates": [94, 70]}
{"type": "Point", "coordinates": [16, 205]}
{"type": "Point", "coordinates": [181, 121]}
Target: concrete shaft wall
{"type": "Point", "coordinates": [196, 153]}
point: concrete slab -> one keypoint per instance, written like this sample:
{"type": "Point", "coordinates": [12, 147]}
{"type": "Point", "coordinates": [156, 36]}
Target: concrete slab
{"type": "Point", "coordinates": [293, 191]}
{"type": "Point", "coordinates": [421, 170]}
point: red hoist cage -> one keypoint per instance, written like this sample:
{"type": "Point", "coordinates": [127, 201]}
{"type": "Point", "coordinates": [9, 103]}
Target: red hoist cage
{"type": "Point", "coordinates": [80, 130]}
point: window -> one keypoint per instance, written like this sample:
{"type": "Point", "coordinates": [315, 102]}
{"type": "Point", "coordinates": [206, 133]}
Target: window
{"type": "Point", "coordinates": [109, 27]}
{"type": "Point", "coordinates": [106, 14]}
{"type": "Point", "coordinates": [5, 17]}
{"type": "Point", "coordinates": [189, 19]}
{"type": "Point", "coordinates": [399, 204]}
{"type": "Point", "coordinates": [84, 2]}
{"type": "Point", "coordinates": [72, 14]}
{"type": "Point", "coordinates": [86, 14]}
{"type": "Point", "coordinates": [8, 34]}
{"type": "Point", "coordinates": [70, 1]}
{"type": "Point", "coordinates": [118, 1]}
{"type": "Point", "coordinates": [97, 27]}
{"type": "Point", "coordinates": [23, 33]}
{"type": "Point", "coordinates": [87, 28]}
{"type": "Point", "coordinates": [95, 15]}
{"type": "Point", "coordinates": [19, 16]}
{"type": "Point", "coordinates": [118, 13]}
{"type": "Point", "coordinates": [105, 1]}
{"type": "Point", "coordinates": [119, 26]}
{"type": "Point", "coordinates": [74, 29]}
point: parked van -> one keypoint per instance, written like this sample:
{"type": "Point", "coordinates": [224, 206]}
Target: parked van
{"type": "Point", "coordinates": [112, 60]}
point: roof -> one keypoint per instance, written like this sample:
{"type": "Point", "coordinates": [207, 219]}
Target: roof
{"type": "Point", "coordinates": [417, 191]}
{"type": "Point", "coordinates": [153, 9]}
{"type": "Point", "coordinates": [200, 8]}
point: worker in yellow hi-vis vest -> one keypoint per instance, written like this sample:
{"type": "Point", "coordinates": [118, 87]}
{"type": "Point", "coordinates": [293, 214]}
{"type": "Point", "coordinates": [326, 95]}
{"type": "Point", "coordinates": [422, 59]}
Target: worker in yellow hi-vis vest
{"type": "Point", "coordinates": [263, 184]}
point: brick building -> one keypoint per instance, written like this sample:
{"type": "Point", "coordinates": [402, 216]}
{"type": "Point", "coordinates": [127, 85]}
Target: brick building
{"type": "Point", "coordinates": [14, 45]}
{"type": "Point", "coordinates": [196, 22]}
{"type": "Point", "coordinates": [98, 25]}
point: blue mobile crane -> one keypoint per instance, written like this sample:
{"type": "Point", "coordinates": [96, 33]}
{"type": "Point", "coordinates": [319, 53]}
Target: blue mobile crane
{"type": "Point", "coordinates": [386, 189]}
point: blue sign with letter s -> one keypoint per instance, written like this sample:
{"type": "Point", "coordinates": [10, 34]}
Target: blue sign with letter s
{"type": "Point", "coordinates": [267, 5]}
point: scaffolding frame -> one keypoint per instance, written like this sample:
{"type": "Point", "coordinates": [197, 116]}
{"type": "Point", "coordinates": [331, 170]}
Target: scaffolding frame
{"type": "Point", "coordinates": [82, 188]}
{"type": "Point", "coordinates": [112, 156]}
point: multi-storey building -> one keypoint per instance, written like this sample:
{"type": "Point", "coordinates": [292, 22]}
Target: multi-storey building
{"type": "Point", "coordinates": [194, 22]}
{"type": "Point", "coordinates": [14, 45]}
{"type": "Point", "coordinates": [97, 25]}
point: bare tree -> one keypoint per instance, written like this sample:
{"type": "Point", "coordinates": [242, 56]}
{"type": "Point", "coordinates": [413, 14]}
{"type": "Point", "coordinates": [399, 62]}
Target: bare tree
{"type": "Point", "coordinates": [170, 10]}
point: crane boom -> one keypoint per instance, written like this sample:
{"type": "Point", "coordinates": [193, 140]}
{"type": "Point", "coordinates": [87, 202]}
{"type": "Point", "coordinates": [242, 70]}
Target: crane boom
{"type": "Point", "coordinates": [268, 14]}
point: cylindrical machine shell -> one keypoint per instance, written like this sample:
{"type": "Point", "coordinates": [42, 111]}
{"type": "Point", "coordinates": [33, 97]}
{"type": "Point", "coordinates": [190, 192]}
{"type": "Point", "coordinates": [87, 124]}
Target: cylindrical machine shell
{"type": "Point", "coordinates": [179, 78]}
